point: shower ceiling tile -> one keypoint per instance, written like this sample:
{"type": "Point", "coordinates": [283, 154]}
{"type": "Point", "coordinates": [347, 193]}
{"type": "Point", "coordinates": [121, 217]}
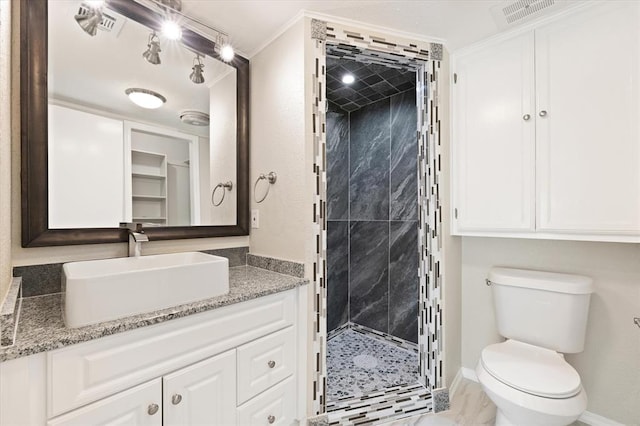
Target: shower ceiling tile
{"type": "Point", "coordinates": [373, 81]}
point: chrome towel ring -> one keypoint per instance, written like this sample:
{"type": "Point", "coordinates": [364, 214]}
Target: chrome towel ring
{"type": "Point", "coordinates": [227, 185]}
{"type": "Point", "coordinates": [271, 178]}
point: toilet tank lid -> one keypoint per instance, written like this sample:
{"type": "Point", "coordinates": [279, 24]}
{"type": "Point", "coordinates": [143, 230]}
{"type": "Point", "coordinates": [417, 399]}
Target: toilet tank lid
{"type": "Point", "coordinates": [542, 280]}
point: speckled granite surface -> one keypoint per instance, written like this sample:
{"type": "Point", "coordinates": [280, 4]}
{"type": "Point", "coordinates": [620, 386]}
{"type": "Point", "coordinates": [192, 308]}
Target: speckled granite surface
{"type": "Point", "coordinates": [41, 327]}
{"type": "Point", "coordinates": [276, 265]}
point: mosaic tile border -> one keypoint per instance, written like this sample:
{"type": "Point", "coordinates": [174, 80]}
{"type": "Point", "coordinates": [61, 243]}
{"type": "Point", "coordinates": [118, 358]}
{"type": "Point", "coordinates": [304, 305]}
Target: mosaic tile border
{"type": "Point", "coordinates": [381, 407]}
{"type": "Point", "coordinates": [285, 267]}
{"type": "Point", "coordinates": [430, 54]}
{"type": "Point", "coordinates": [9, 312]}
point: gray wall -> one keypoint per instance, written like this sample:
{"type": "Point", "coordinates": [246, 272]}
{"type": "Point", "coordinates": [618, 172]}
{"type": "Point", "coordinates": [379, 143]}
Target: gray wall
{"type": "Point", "coordinates": [372, 225]}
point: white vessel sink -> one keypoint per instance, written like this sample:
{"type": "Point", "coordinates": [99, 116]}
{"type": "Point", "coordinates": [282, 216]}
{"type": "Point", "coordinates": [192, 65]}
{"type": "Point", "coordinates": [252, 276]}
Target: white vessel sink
{"type": "Point", "coordinates": [104, 290]}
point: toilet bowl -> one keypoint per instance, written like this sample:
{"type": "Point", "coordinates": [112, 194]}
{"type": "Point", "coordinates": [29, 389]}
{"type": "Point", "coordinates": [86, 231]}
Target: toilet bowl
{"type": "Point", "coordinates": [542, 315]}
{"type": "Point", "coordinates": [530, 385]}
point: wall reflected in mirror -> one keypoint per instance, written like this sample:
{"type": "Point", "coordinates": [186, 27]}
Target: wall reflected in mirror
{"type": "Point", "coordinates": [111, 160]}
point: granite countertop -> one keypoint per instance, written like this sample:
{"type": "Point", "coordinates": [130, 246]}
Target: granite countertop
{"type": "Point", "coordinates": [41, 327]}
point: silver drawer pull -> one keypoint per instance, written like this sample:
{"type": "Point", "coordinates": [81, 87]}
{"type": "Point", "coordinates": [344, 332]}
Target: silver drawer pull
{"type": "Point", "coordinates": [543, 113]}
{"type": "Point", "coordinates": [271, 364]}
{"type": "Point", "coordinates": [153, 408]}
{"type": "Point", "coordinates": [271, 419]}
{"type": "Point", "coordinates": [526, 117]}
{"type": "Point", "coordinates": [175, 399]}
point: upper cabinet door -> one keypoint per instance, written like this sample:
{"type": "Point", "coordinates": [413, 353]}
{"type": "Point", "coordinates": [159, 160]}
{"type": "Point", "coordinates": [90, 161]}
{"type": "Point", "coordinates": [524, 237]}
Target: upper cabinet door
{"type": "Point", "coordinates": [202, 394]}
{"type": "Point", "coordinates": [587, 121]}
{"type": "Point", "coordinates": [493, 149]}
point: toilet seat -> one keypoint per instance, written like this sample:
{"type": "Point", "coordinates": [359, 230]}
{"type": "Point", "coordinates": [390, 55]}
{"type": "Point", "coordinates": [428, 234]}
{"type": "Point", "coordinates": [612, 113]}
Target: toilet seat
{"type": "Point", "coordinates": [531, 369]}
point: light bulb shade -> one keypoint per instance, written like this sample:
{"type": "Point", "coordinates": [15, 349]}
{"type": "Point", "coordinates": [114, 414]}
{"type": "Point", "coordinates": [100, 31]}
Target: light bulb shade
{"type": "Point", "coordinates": [197, 75]}
{"type": "Point", "coordinates": [152, 54]}
{"type": "Point", "coordinates": [89, 22]}
{"type": "Point", "coordinates": [145, 98]}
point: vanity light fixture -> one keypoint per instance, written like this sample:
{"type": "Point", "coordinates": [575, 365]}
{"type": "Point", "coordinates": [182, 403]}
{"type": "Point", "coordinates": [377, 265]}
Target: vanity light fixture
{"type": "Point", "coordinates": [152, 54]}
{"type": "Point", "coordinates": [197, 75]}
{"type": "Point", "coordinates": [89, 22]}
{"type": "Point", "coordinates": [348, 78]}
{"type": "Point", "coordinates": [145, 98]}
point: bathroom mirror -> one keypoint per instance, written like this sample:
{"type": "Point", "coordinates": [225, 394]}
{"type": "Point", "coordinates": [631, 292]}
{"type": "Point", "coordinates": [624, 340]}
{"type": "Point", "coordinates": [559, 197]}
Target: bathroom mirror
{"type": "Point", "coordinates": [96, 159]}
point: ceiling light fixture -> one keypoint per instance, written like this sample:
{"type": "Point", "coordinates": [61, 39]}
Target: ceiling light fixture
{"type": "Point", "coordinates": [89, 22]}
{"type": "Point", "coordinates": [145, 98]}
{"type": "Point", "coordinates": [197, 75]}
{"type": "Point", "coordinates": [348, 78]}
{"type": "Point", "coordinates": [227, 53]}
{"type": "Point", "coordinates": [195, 118]}
{"type": "Point", "coordinates": [152, 54]}
{"type": "Point", "coordinates": [171, 30]}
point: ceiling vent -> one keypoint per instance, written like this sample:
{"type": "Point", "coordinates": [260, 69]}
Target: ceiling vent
{"type": "Point", "coordinates": [511, 13]}
{"type": "Point", "coordinates": [110, 21]}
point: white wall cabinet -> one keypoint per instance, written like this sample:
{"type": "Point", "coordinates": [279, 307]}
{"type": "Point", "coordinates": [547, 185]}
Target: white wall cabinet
{"type": "Point", "coordinates": [241, 364]}
{"type": "Point", "coordinates": [546, 136]}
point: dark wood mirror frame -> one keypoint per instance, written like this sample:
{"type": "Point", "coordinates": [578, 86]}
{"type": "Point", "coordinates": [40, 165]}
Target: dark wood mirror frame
{"type": "Point", "coordinates": [34, 135]}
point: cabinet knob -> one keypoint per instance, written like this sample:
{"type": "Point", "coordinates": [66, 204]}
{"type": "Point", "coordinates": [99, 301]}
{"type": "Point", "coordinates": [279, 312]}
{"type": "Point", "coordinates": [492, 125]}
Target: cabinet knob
{"type": "Point", "coordinates": [271, 419]}
{"type": "Point", "coordinates": [175, 399]}
{"type": "Point", "coordinates": [153, 408]}
{"type": "Point", "coordinates": [543, 113]}
{"type": "Point", "coordinates": [526, 117]}
{"type": "Point", "coordinates": [271, 364]}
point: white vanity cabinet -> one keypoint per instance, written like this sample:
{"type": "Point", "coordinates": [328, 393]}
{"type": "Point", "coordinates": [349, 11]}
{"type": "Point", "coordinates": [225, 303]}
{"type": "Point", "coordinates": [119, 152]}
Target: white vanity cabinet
{"type": "Point", "coordinates": [546, 135]}
{"type": "Point", "coordinates": [240, 364]}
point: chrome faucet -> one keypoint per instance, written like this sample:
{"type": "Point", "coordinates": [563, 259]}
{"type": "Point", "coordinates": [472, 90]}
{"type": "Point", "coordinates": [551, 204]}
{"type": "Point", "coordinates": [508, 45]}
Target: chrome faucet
{"type": "Point", "coordinates": [136, 237]}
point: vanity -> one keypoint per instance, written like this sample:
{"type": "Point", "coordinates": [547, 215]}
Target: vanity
{"type": "Point", "coordinates": [232, 359]}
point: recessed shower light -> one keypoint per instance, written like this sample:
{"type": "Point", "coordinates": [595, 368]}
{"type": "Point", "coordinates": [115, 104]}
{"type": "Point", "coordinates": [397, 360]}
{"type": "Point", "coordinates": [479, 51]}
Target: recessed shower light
{"type": "Point", "coordinates": [348, 78]}
{"type": "Point", "coordinates": [145, 98]}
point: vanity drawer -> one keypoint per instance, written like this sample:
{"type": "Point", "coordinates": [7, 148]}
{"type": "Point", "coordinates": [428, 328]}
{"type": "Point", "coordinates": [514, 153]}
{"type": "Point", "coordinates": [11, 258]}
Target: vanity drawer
{"type": "Point", "coordinates": [86, 372]}
{"type": "Point", "coordinates": [265, 362]}
{"type": "Point", "coordinates": [277, 406]}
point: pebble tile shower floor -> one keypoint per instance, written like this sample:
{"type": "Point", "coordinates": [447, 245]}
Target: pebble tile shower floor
{"type": "Point", "coordinates": [358, 364]}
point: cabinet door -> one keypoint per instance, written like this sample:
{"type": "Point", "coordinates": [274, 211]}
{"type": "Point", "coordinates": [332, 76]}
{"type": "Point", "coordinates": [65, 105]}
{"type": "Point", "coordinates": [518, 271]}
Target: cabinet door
{"type": "Point", "coordinates": [276, 406]}
{"type": "Point", "coordinates": [137, 406]}
{"type": "Point", "coordinates": [588, 121]}
{"type": "Point", "coordinates": [202, 394]}
{"type": "Point", "coordinates": [493, 137]}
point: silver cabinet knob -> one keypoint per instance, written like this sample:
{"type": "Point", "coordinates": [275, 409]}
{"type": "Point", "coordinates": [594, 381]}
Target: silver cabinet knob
{"type": "Point", "coordinates": [271, 419]}
{"type": "Point", "coordinates": [271, 364]}
{"type": "Point", "coordinates": [526, 117]}
{"type": "Point", "coordinates": [153, 408]}
{"type": "Point", "coordinates": [175, 399]}
{"type": "Point", "coordinates": [543, 113]}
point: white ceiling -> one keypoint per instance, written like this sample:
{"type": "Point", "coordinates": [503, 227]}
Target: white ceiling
{"type": "Point", "coordinates": [252, 23]}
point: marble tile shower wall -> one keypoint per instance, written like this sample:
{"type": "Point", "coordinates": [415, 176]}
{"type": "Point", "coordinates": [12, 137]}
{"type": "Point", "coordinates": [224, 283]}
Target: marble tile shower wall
{"type": "Point", "coordinates": [372, 221]}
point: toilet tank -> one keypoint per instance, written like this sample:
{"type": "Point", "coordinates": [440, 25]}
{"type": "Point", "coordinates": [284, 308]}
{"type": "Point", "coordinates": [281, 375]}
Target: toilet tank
{"type": "Point", "coordinates": [545, 309]}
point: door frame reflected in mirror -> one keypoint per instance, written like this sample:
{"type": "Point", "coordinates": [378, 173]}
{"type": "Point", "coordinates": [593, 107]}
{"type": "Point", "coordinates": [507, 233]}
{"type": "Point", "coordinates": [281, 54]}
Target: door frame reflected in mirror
{"type": "Point", "coordinates": [34, 136]}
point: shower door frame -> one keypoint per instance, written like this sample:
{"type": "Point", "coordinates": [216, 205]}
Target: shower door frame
{"type": "Point", "coordinates": [430, 334]}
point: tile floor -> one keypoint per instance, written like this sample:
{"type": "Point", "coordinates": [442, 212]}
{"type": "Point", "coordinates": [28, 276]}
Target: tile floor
{"type": "Point", "coordinates": [358, 365]}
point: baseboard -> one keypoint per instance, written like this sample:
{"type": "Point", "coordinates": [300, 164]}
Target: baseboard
{"type": "Point", "coordinates": [587, 417]}
{"type": "Point", "coordinates": [455, 383]}
{"type": "Point", "coordinates": [597, 420]}
{"type": "Point", "coordinates": [469, 374]}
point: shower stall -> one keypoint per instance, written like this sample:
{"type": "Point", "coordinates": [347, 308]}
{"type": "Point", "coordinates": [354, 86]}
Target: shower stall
{"type": "Point", "coordinates": [372, 226]}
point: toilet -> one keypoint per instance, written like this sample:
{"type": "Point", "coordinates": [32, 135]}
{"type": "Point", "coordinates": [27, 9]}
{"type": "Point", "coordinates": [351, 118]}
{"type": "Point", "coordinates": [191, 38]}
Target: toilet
{"type": "Point", "coordinates": [542, 315]}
